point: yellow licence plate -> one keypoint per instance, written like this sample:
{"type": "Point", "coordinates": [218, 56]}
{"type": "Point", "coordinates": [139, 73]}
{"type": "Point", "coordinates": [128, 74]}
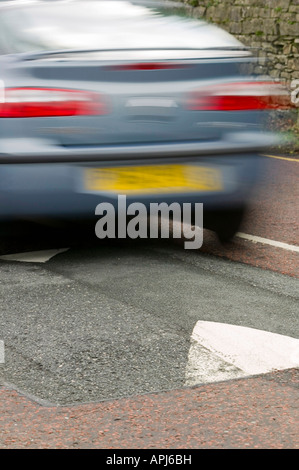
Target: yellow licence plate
{"type": "Point", "coordinates": [154, 179]}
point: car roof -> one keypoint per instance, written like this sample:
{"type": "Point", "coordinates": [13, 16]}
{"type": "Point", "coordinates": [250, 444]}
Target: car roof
{"type": "Point", "coordinates": [117, 24]}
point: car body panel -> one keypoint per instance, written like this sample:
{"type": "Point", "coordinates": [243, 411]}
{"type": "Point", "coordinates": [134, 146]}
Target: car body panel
{"type": "Point", "coordinates": [62, 190]}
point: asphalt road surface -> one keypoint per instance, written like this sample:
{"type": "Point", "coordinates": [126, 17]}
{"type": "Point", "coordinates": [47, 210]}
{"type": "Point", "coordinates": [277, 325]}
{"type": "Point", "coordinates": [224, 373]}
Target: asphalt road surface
{"type": "Point", "coordinates": [123, 344]}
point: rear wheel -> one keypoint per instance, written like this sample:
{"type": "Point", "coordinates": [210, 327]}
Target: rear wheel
{"type": "Point", "coordinates": [225, 223]}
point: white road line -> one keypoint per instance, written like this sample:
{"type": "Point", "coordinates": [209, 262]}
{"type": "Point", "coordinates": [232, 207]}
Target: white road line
{"type": "Point", "coordinates": [221, 352]}
{"type": "Point", "coordinates": [267, 241]}
{"type": "Point", "coordinates": [33, 256]}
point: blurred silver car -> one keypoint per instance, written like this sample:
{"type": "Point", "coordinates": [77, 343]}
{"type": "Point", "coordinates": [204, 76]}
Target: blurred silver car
{"type": "Point", "coordinates": [100, 98]}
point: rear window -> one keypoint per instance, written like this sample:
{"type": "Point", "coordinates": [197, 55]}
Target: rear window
{"type": "Point", "coordinates": [87, 24]}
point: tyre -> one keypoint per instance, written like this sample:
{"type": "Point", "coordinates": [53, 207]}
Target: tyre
{"type": "Point", "coordinates": [225, 223]}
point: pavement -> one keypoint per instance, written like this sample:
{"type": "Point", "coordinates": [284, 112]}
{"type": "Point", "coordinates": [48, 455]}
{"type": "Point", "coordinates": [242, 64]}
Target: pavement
{"type": "Point", "coordinates": [255, 413]}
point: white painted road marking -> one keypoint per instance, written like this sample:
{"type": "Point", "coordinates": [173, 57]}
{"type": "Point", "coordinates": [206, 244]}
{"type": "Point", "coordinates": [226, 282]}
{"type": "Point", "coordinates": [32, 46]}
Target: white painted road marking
{"type": "Point", "coordinates": [267, 241]}
{"type": "Point", "coordinates": [221, 352]}
{"type": "Point", "coordinates": [33, 256]}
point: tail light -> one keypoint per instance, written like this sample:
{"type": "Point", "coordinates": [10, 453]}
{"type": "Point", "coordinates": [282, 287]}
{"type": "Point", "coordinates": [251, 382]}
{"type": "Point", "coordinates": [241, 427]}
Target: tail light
{"type": "Point", "coordinates": [243, 96]}
{"type": "Point", "coordinates": [148, 66]}
{"type": "Point", "coordinates": [27, 102]}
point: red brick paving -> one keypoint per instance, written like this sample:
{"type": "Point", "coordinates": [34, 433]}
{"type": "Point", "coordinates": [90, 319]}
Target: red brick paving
{"type": "Point", "coordinates": [260, 412]}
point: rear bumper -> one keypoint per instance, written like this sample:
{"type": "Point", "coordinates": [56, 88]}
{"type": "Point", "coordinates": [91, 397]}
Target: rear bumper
{"type": "Point", "coordinates": [58, 190]}
{"type": "Point", "coordinates": [28, 150]}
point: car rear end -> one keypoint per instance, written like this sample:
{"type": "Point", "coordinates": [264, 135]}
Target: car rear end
{"type": "Point", "coordinates": [120, 98]}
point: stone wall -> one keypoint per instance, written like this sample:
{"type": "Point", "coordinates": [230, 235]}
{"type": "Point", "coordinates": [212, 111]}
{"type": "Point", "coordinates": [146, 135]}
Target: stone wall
{"type": "Point", "coordinates": [272, 27]}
